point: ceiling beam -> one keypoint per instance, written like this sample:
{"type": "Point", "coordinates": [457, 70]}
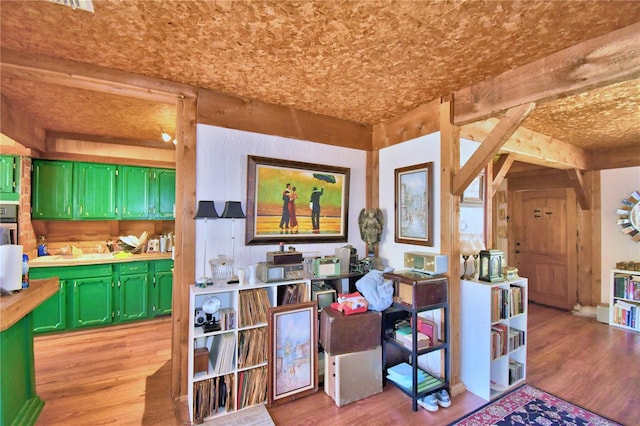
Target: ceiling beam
{"type": "Point", "coordinates": [616, 158]}
{"type": "Point", "coordinates": [490, 146]}
{"type": "Point", "coordinates": [51, 135]}
{"type": "Point", "coordinates": [577, 183]}
{"type": "Point", "coordinates": [532, 147]}
{"type": "Point", "coordinates": [420, 121]}
{"type": "Point", "coordinates": [44, 69]}
{"type": "Point", "coordinates": [500, 170]}
{"type": "Point", "coordinates": [19, 126]}
{"type": "Point", "coordinates": [599, 62]}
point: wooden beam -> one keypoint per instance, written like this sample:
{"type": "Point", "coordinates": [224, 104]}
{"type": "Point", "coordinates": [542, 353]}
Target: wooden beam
{"type": "Point", "coordinates": [44, 69]}
{"type": "Point", "coordinates": [532, 147]}
{"type": "Point", "coordinates": [51, 135]}
{"type": "Point", "coordinates": [420, 121]}
{"type": "Point", "coordinates": [615, 158]}
{"type": "Point", "coordinates": [20, 127]}
{"type": "Point", "coordinates": [490, 146]}
{"type": "Point", "coordinates": [599, 62]}
{"type": "Point", "coordinates": [219, 109]}
{"type": "Point", "coordinates": [575, 178]}
{"type": "Point", "coordinates": [500, 170]}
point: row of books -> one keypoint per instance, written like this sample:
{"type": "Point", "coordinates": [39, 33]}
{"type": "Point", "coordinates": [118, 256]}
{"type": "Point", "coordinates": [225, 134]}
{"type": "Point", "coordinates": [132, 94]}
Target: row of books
{"type": "Point", "coordinates": [212, 396]}
{"type": "Point", "coordinates": [227, 318]}
{"type": "Point", "coordinates": [516, 339]}
{"type": "Point", "coordinates": [252, 347]}
{"type": "Point", "coordinates": [402, 375]}
{"type": "Point", "coordinates": [254, 307]}
{"type": "Point", "coordinates": [222, 352]}
{"type": "Point", "coordinates": [516, 371]}
{"type": "Point", "coordinates": [293, 293]}
{"type": "Point", "coordinates": [625, 313]}
{"type": "Point", "coordinates": [252, 387]}
{"type": "Point", "coordinates": [404, 335]}
{"type": "Point", "coordinates": [506, 302]}
{"type": "Point", "coordinates": [626, 286]}
{"type": "Point", "coordinates": [498, 340]}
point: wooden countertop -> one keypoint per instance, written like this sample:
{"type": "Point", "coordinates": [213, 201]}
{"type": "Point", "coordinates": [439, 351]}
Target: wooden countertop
{"type": "Point", "coordinates": [92, 259]}
{"type": "Point", "coordinates": [14, 307]}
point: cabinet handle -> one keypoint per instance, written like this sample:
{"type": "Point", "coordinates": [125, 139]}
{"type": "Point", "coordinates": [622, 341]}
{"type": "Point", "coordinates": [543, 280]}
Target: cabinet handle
{"type": "Point", "coordinates": [69, 209]}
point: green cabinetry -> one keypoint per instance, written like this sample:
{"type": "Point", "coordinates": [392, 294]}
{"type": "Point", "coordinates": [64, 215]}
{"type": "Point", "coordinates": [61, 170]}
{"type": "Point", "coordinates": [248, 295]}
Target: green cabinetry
{"type": "Point", "coordinates": [147, 193]}
{"type": "Point", "coordinates": [9, 178]}
{"type": "Point", "coordinates": [162, 287]}
{"type": "Point", "coordinates": [51, 315]}
{"type": "Point", "coordinates": [132, 291]}
{"type": "Point", "coordinates": [163, 184]}
{"type": "Point", "coordinates": [95, 191]}
{"type": "Point", "coordinates": [52, 189]}
{"type": "Point", "coordinates": [91, 299]}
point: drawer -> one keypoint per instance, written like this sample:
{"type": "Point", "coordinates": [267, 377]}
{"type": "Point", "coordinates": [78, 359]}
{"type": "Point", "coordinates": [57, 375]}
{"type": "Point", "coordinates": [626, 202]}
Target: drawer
{"type": "Point", "coordinates": [165, 265]}
{"type": "Point", "coordinates": [134, 268]}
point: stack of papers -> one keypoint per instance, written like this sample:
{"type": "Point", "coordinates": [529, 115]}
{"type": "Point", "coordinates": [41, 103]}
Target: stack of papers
{"type": "Point", "coordinates": [402, 375]}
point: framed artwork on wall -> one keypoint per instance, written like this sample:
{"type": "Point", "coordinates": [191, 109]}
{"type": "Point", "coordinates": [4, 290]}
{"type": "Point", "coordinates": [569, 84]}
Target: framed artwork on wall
{"type": "Point", "coordinates": [414, 204]}
{"type": "Point", "coordinates": [293, 356]}
{"type": "Point", "coordinates": [293, 202]}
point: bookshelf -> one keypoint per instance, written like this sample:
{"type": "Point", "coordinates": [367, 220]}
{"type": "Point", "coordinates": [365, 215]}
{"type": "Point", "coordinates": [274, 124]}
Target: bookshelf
{"type": "Point", "coordinates": [625, 299]}
{"type": "Point", "coordinates": [227, 366]}
{"type": "Point", "coordinates": [415, 295]}
{"type": "Point", "coordinates": [493, 336]}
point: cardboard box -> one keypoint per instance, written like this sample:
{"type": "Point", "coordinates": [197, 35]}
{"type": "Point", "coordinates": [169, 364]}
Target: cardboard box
{"type": "Point", "coordinates": [340, 333]}
{"type": "Point", "coordinates": [354, 376]}
{"type": "Point", "coordinates": [417, 290]}
{"type": "Point", "coordinates": [200, 360]}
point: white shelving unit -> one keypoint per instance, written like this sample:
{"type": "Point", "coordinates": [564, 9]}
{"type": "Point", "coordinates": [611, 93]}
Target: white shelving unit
{"type": "Point", "coordinates": [625, 299]}
{"type": "Point", "coordinates": [225, 356]}
{"type": "Point", "coordinates": [486, 370]}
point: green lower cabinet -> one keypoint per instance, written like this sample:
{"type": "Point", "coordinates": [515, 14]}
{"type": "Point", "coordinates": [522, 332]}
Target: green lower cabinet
{"type": "Point", "coordinates": [51, 315]}
{"type": "Point", "coordinates": [92, 302]}
{"type": "Point", "coordinates": [132, 291]}
{"type": "Point", "coordinates": [162, 290]}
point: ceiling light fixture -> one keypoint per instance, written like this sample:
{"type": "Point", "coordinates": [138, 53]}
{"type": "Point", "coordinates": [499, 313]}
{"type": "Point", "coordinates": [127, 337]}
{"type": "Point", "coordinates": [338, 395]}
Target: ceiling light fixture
{"type": "Point", "coordinates": [165, 136]}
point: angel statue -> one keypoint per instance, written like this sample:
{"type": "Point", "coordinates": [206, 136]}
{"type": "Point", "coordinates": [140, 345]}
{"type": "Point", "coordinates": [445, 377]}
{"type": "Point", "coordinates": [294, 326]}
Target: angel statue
{"type": "Point", "coordinates": [371, 222]}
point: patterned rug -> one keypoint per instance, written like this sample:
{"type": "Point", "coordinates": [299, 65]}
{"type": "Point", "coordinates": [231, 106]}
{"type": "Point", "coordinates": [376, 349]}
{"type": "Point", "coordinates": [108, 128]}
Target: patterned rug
{"type": "Point", "coordinates": [527, 405]}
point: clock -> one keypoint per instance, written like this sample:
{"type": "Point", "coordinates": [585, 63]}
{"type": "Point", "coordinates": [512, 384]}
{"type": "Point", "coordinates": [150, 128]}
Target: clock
{"type": "Point", "coordinates": [491, 262]}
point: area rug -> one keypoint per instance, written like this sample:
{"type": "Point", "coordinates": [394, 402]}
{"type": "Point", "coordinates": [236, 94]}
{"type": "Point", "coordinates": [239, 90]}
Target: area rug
{"type": "Point", "coordinates": [527, 405]}
{"type": "Point", "coordinates": [252, 416]}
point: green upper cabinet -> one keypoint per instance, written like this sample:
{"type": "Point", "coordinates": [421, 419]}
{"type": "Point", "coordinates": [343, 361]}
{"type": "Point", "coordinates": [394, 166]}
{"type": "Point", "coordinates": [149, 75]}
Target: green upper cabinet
{"type": "Point", "coordinates": [9, 178]}
{"type": "Point", "coordinates": [164, 186]}
{"type": "Point", "coordinates": [134, 184]}
{"type": "Point", "coordinates": [95, 190]}
{"type": "Point", "coordinates": [52, 189]}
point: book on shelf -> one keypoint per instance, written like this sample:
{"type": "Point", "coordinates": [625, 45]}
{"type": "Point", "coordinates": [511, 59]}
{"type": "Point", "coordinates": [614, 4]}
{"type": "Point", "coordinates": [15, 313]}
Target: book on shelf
{"type": "Point", "coordinates": [227, 317]}
{"type": "Point", "coordinates": [293, 293]}
{"type": "Point", "coordinates": [222, 349]}
{"type": "Point", "coordinates": [252, 387]}
{"type": "Point", "coordinates": [402, 375]}
{"type": "Point", "coordinates": [516, 339]}
{"type": "Point", "coordinates": [407, 340]}
{"type": "Point", "coordinates": [498, 340]}
{"type": "Point", "coordinates": [212, 396]}
{"type": "Point", "coordinates": [252, 347]}
{"type": "Point", "coordinates": [516, 371]}
{"type": "Point", "coordinates": [626, 313]}
{"type": "Point", "coordinates": [254, 307]}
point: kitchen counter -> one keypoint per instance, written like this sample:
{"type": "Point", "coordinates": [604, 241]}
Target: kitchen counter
{"type": "Point", "coordinates": [92, 259]}
{"type": "Point", "coordinates": [16, 306]}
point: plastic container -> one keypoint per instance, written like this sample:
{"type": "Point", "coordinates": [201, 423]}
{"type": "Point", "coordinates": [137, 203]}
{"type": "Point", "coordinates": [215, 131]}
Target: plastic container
{"type": "Point", "coordinates": [25, 271]}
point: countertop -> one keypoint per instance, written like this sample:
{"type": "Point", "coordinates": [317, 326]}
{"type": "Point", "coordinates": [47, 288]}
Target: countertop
{"type": "Point", "coordinates": [92, 259]}
{"type": "Point", "coordinates": [14, 307]}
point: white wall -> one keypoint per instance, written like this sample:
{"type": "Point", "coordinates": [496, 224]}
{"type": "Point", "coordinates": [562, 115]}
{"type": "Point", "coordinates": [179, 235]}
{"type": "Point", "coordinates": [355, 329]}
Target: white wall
{"type": "Point", "coordinates": [415, 151]}
{"type": "Point", "coordinates": [616, 184]}
{"type": "Point", "coordinates": [221, 173]}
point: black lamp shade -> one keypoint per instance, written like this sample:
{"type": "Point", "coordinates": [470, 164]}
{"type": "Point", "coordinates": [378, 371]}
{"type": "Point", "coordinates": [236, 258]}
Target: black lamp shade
{"type": "Point", "coordinates": [206, 210]}
{"type": "Point", "coordinates": [233, 210]}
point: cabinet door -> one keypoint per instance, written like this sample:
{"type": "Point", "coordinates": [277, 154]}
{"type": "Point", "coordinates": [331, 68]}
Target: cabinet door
{"type": "Point", "coordinates": [132, 297]}
{"type": "Point", "coordinates": [9, 178]}
{"type": "Point", "coordinates": [52, 189]}
{"type": "Point", "coordinates": [165, 193]}
{"type": "Point", "coordinates": [91, 302]}
{"type": "Point", "coordinates": [134, 192]}
{"type": "Point", "coordinates": [51, 315]}
{"type": "Point", "coordinates": [163, 287]}
{"type": "Point", "coordinates": [95, 189]}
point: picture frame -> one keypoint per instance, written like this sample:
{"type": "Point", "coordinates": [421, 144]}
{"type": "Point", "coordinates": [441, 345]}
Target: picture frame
{"type": "Point", "coordinates": [474, 194]}
{"type": "Point", "coordinates": [321, 208]}
{"type": "Point", "coordinates": [414, 204]}
{"type": "Point", "coordinates": [292, 361]}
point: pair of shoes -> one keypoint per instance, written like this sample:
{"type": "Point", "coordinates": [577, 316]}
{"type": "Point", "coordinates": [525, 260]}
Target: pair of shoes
{"type": "Point", "coordinates": [429, 402]}
{"type": "Point", "coordinates": [442, 396]}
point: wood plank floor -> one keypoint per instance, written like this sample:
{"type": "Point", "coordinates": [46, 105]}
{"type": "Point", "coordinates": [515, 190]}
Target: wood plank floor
{"type": "Point", "coordinates": [121, 376]}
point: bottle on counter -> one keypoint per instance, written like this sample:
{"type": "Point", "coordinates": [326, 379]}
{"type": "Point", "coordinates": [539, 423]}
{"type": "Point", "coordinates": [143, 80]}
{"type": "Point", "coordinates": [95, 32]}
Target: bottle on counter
{"type": "Point", "coordinates": [42, 246]}
{"type": "Point", "coordinates": [25, 271]}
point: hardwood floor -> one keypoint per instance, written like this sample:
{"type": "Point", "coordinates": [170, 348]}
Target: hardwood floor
{"type": "Point", "coordinates": [121, 376]}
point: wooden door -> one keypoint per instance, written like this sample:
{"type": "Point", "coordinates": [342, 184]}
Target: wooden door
{"type": "Point", "coordinates": [542, 244]}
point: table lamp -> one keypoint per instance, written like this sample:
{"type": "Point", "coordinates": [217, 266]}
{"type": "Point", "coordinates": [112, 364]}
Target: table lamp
{"type": "Point", "coordinates": [206, 210]}
{"type": "Point", "coordinates": [233, 211]}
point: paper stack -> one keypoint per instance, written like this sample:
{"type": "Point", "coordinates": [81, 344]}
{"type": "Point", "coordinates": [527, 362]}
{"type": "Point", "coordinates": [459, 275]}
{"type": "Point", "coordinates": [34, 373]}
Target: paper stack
{"type": "Point", "coordinates": [402, 375]}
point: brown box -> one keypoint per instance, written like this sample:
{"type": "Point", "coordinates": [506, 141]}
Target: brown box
{"type": "Point", "coordinates": [353, 376]}
{"type": "Point", "coordinates": [200, 360]}
{"type": "Point", "coordinates": [284, 258]}
{"type": "Point", "coordinates": [417, 290]}
{"type": "Point", "coordinates": [340, 333]}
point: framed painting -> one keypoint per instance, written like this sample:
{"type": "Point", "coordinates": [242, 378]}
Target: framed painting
{"type": "Point", "coordinates": [473, 195]}
{"type": "Point", "coordinates": [294, 202]}
{"type": "Point", "coordinates": [293, 352]}
{"type": "Point", "coordinates": [414, 204]}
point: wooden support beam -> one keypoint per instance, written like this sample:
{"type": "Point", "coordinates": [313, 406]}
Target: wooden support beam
{"type": "Point", "coordinates": [420, 121]}
{"type": "Point", "coordinates": [532, 147]}
{"type": "Point", "coordinates": [599, 62]}
{"type": "Point", "coordinates": [489, 147]}
{"type": "Point", "coordinates": [44, 69]}
{"type": "Point", "coordinates": [615, 158]}
{"type": "Point", "coordinates": [18, 126]}
{"type": "Point", "coordinates": [500, 170]}
{"type": "Point", "coordinates": [51, 135]}
{"type": "Point", "coordinates": [575, 178]}
{"type": "Point", "coordinates": [219, 109]}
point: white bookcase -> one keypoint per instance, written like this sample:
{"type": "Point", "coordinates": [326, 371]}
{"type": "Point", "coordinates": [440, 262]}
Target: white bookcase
{"type": "Point", "coordinates": [493, 336]}
{"type": "Point", "coordinates": [244, 372]}
{"type": "Point", "coordinates": [625, 299]}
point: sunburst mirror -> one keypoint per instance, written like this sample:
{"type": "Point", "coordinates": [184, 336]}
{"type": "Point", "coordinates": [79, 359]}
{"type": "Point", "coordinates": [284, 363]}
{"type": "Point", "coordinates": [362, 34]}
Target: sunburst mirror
{"type": "Point", "coordinates": [629, 215]}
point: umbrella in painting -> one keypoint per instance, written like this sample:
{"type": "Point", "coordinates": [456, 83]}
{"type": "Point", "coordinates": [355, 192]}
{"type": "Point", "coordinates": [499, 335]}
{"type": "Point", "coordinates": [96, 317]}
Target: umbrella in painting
{"type": "Point", "coordinates": [326, 178]}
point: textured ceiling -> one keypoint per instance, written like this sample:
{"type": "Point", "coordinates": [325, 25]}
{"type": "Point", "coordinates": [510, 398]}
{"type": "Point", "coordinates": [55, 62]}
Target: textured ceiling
{"type": "Point", "coordinates": [362, 61]}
